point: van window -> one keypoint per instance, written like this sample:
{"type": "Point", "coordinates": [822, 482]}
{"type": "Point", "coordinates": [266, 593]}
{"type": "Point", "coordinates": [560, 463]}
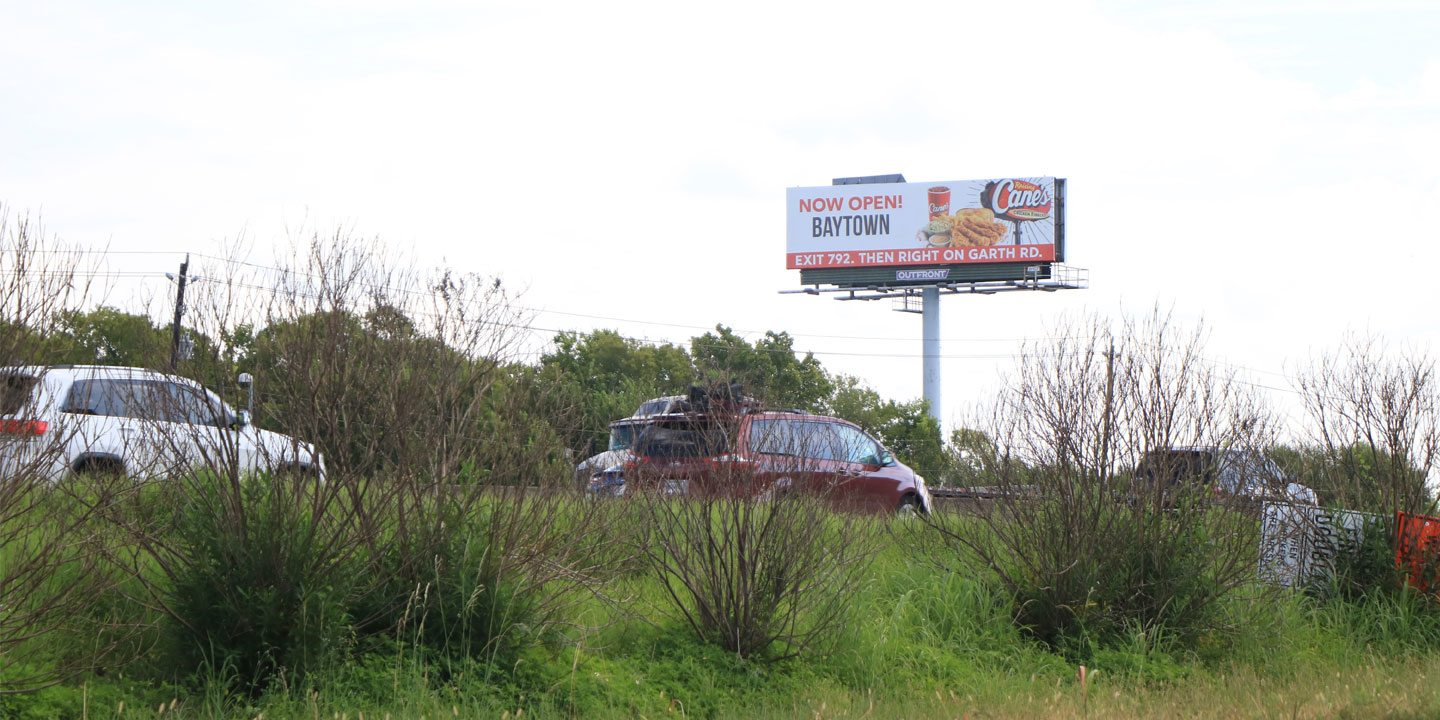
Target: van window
{"type": "Point", "coordinates": [15, 391]}
{"type": "Point", "coordinates": [683, 438]}
{"type": "Point", "coordinates": [106, 398]}
{"type": "Point", "coordinates": [1171, 468]}
{"type": "Point", "coordinates": [186, 404]}
{"type": "Point", "coordinates": [859, 447]}
{"type": "Point", "coordinates": [780, 436]}
{"type": "Point", "coordinates": [811, 439]}
{"type": "Point", "coordinates": [143, 400]}
{"type": "Point", "coordinates": [1249, 472]}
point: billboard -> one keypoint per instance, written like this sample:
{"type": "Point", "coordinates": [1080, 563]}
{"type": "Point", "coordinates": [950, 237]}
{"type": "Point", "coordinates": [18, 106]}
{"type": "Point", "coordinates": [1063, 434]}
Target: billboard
{"type": "Point", "coordinates": [1002, 220]}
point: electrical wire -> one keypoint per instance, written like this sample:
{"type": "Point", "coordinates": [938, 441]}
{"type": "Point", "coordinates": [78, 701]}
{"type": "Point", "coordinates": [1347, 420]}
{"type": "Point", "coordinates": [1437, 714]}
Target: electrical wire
{"type": "Point", "coordinates": [695, 343]}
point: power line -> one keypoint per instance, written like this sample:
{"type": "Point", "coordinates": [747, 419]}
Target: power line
{"type": "Point", "coordinates": [749, 332]}
{"type": "Point", "coordinates": [427, 293]}
{"type": "Point", "coordinates": [290, 273]}
{"type": "Point", "coordinates": [546, 311]}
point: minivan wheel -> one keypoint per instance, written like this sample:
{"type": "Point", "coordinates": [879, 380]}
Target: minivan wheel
{"type": "Point", "coordinates": [295, 473]}
{"type": "Point", "coordinates": [101, 467]}
{"type": "Point", "coordinates": [909, 506]}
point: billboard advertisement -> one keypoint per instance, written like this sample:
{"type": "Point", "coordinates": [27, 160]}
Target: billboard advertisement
{"type": "Point", "coordinates": [936, 223]}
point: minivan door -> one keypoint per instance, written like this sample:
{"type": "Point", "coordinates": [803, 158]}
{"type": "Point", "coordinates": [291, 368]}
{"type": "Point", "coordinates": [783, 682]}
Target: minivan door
{"type": "Point", "coordinates": [794, 454]}
{"type": "Point", "coordinates": [111, 419]}
{"type": "Point", "coordinates": [865, 481]}
{"type": "Point", "coordinates": [200, 426]}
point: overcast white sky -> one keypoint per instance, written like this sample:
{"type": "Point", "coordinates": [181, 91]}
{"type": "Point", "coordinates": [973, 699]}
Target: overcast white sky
{"type": "Point", "coordinates": [1273, 167]}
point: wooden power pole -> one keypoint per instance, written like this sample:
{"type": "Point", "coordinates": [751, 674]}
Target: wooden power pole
{"type": "Point", "coordinates": [179, 310]}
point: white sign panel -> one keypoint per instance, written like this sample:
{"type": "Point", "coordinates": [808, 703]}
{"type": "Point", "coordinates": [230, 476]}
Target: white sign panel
{"type": "Point", "coordinates": [1299, 543]}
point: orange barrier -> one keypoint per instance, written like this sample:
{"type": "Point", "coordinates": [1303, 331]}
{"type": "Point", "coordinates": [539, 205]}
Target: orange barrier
{"type": "Point", "coordinates": [1417, 550]}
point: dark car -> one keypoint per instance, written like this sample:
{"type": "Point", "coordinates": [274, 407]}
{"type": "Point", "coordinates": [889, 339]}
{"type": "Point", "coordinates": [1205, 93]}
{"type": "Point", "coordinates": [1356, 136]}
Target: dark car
{"type": "Point", "coordinates": [760, 452]}
{"type": "Point", "coordinates": [1225, 473]}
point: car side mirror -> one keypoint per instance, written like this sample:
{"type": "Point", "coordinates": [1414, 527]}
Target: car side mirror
{"type": "Point", "coordinates": [886, 459]}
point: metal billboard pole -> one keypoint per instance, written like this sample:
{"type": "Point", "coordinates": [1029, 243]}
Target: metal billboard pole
{"type": "Point", "coordinates": [930, 344]}
{"type": "Point", "coordinates": [930, 308]}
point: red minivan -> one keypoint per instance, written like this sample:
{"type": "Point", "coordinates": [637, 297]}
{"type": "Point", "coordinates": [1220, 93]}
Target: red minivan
{"type": "Point", "coordinates": [761, 452]}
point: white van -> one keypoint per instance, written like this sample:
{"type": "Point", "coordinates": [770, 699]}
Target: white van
{"type": "Point", "coordinates": [133, 422]}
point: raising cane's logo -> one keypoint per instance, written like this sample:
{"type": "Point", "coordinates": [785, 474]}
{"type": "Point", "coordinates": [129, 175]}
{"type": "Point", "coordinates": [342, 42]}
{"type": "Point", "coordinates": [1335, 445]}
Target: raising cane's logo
{"type": "Point", "coordinates": [1016, 200]}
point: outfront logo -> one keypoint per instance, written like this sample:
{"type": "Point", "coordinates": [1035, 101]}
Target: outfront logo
{"type": "Point", "coordinates": [922, 274]}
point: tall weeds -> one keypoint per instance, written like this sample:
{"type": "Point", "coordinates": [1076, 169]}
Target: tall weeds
{"type": "Point", "coordinates": [49, 563]}
{"type": "Point", "coordinates": [435, 503]}
{"type": "Point", "coordinates": [758, 568]}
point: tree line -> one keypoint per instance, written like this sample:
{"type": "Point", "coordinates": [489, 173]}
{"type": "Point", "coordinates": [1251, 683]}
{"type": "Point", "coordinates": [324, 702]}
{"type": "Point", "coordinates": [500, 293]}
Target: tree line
{"type": "Point", "coordinates": [586, 379]}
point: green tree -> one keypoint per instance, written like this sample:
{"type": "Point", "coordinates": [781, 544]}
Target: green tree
{"type": "Point", "coordinates": [1355, 477]}
{"type": "Point", "coordinates": [972, 458]}
{"type": "Point", "coordinates": [109, 336]}
{"type": "Point", "coordinates": [769, 370]}
{"type": "Point", "coordinates": [372, 391]}
{"type": "Point", "coordinates": [905, 428]}
{"type": "Point", "coordinates": [598, 377]}
{"type": "Point", "coordinates": [522, 434]}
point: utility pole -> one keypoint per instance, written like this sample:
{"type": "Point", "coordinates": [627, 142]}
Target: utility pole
{"type": "Point", "coordinates": [179, 310]}
{"type": "Point", "coordinates": [1109, 401]}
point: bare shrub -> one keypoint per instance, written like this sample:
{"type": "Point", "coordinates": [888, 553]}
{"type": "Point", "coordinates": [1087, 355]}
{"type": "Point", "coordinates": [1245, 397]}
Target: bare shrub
{"type": "Point", "coordinates": [50, 573]}
{"type": "Point", "coordinates": [41, 279]}
{"type": "Point", "coordinates": [386, 367]}
{"type": "Point", "coordinates": [1375, 420]}
{"type": "Point", "coordinates": [753, 560]}
{"type": "Point", "coordinates": [1088, 552]}
{"type": "Point", "coordinates": [1373, 444]}
{"type": "Point", "coordinates": [427, 511]}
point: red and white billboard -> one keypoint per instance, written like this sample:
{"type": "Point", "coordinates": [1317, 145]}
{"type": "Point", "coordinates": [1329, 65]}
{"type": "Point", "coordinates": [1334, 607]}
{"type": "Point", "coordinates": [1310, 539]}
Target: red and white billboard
{"type": "Point", "coordinates": [934, 223]}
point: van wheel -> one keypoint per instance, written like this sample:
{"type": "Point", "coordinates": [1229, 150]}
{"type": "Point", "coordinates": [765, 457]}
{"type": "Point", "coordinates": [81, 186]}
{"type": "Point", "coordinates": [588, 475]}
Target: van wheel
{"type": "Point", "coordinates": [101, 467]}
{"type": "Point", "coordinates": [909, 506]}
{"type": "Point", "coordinates": [294, 473]}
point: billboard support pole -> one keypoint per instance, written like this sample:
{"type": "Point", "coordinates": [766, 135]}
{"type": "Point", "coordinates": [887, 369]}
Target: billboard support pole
{"type": "Point", "coordinates": [930, 319]}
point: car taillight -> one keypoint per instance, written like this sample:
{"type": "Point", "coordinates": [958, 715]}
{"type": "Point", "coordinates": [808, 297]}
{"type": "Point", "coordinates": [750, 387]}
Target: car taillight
{"type": "Point", "coordinates": [24, 427]}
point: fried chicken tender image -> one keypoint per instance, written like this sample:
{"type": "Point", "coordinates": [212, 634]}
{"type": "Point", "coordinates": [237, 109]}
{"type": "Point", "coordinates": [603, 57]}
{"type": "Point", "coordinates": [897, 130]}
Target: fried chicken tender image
{"type": "Point", "coordinates": [975, 227]}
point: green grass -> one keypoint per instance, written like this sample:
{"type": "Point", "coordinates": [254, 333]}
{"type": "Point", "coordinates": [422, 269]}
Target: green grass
{"type": "Point", "coordinates": [918, 642]}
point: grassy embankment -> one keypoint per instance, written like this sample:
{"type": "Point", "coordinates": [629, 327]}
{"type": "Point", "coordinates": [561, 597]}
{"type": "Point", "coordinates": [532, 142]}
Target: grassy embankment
{"type": "Point", "coordinates": [919, 642]}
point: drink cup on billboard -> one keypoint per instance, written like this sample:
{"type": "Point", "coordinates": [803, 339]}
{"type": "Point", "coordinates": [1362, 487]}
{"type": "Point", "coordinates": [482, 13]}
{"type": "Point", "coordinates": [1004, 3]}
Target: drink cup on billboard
{"type": "Point", "coordinates": [939, 202]}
